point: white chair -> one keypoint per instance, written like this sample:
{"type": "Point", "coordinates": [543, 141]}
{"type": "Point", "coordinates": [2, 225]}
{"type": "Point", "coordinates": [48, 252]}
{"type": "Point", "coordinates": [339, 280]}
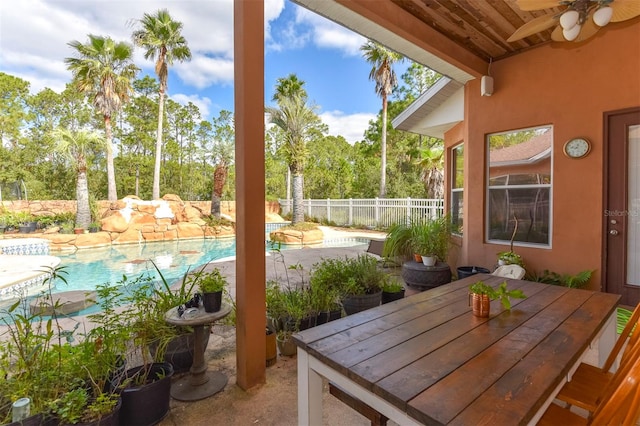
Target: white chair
{"type": "Point", "coordinates": [515, 272]}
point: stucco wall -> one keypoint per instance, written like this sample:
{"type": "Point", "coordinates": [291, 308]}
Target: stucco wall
{"type": "Point", "coordinates": [569, 86]}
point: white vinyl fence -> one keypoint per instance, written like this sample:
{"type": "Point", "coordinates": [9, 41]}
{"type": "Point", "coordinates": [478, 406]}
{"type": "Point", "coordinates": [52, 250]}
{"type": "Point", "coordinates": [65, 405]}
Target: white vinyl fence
{"type": "Point", "coordinates": [371, 213]}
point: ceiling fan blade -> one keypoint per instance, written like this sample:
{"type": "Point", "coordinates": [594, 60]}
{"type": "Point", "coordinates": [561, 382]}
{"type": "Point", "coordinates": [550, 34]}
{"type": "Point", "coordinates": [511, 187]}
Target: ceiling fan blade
{"type": "Point", "coordinates": [537, 4]}
{"type": "Point", "coordinates": [588, 30]}
{"type": "Point", "coordinates": [557, 35]}
{"type": "Point", "coordinates": [536, 25]}
{"type": "Point", "coordinates": [624, 9]}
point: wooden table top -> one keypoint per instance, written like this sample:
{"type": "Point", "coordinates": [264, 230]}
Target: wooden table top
{"type": "Point", "coordinates": [430, 357]}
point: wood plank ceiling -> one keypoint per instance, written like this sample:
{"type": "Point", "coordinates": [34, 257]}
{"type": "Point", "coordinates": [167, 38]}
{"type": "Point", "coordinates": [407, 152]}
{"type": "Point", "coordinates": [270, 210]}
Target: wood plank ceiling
{"type": "Point", "coordinates": [480, 26]}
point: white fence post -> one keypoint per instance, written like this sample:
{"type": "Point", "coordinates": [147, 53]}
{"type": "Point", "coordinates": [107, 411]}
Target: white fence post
{"type": "Point", "coordinates": [376, 214]}
{"type": "Point", "coordinates": [408, 209]}
{"type": "Point", "coordinates": [328, 209]}
{"type": "Point", "coordinates": [350, 221]}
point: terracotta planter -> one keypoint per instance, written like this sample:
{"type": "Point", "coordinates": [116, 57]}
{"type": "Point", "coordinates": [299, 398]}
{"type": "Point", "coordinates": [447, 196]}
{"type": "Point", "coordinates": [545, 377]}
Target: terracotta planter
{"type": "Point", "coordinates": [417, 257]}
{"type": "Point", "coordinates": [480, 304]}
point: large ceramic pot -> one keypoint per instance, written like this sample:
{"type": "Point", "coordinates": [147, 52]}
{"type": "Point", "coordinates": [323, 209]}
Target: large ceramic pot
{"type": "Point", "coordinates": [360, 302]}
{"type": "Point", "coordinates": [286, 345]}
{"type": "Point", "coordinates": [147, 403]}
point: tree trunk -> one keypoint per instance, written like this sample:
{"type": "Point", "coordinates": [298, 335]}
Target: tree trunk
{"type": "Point", "coordinates": [219, 179]}
{"type": "Point", "coordinates": [298, 209]}
{"type": "Point", "coordinates": [383, 149]}
{"type": "Point", "coordinates": [288, 189]}
{"type": "Point", "coordinates": [83, 212]}
{"type": "Point", "coordinates": [156, 169]}
{"type": "Point", "coordinates": [112, 193]}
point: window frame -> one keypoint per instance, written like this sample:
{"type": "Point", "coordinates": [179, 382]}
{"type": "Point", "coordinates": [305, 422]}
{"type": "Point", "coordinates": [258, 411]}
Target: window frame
{"type": "Point", "coordinates": [488, 188]}
{"type": "Point", "coordinates": [453, 189]}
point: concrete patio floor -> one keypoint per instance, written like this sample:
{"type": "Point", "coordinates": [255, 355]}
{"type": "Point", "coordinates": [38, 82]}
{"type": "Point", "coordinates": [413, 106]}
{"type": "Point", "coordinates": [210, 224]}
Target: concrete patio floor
{"type": "Point", "coordinates": [275, 402]}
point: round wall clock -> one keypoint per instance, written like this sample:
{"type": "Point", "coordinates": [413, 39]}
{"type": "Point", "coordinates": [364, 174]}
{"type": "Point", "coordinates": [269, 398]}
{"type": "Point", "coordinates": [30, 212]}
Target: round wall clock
{"type": "Point", "coordinates": [577, 148]}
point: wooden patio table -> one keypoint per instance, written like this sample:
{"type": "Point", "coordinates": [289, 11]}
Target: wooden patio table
{"type": "Point", "coordinates": [426, 359]}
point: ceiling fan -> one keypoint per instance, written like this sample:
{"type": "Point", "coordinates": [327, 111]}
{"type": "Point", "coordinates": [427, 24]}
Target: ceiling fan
{"type": "Point", "coordinates": [580, 20]}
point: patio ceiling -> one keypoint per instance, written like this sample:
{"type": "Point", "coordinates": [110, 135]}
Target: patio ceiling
{"type": "Point", "coordinates": [457, 38]}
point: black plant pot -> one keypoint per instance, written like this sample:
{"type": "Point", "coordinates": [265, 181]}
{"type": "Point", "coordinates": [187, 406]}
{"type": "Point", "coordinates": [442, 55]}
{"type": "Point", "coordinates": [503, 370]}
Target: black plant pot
{"type": "Point", "coordinates": [24, 229]}
{"type": "Point", "coordinates": [325, 317]}
{"type": "Point", "coordinates": [212, 302]}
{"type": "Point", "coordinates": [36, 420]}
{"type": "Point", "coordinates": [390, 297]}
{"type": "Point", "coordinates": [111, 419]}
{"type": "Point", "coordinates": [148, 403]}
{"type": "Point", "coordinates": [361, 302]}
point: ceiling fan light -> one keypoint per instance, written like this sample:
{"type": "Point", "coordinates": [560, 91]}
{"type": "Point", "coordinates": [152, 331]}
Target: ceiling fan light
{"type": "Point", "coordinates": [569, 19]}
{"type": "Point", "coordinates": [573, 33]}
{"type": "Point", "coordinates": [602, 16]}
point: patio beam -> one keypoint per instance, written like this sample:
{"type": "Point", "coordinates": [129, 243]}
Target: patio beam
{"type": "Point", "coordinates": [250, 223]}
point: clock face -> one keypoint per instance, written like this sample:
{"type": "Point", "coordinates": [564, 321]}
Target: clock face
{"type": "Point", "coordinates": [577, 148]}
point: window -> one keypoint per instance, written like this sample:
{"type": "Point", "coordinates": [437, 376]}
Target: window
{"type": "Point", "coordinates": [519, 186]}
{"type": "Point", "coordinates": [457, 188]}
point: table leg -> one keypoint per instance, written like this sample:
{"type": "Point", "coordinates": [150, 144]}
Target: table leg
{"type": "Point", "coordinates": [199, 383]}
{"type": "Point", "coordinates": [309, 392]}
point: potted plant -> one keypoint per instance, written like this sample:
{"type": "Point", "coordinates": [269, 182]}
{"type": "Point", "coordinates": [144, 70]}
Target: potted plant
{"type": "Point", "coordinates": [211, 284]}
{"type": "Point", "coordinates": [480, 295]}
{"type": "Point", "coordinates": [509, 258]}
{"type": "Point", "coordinates": [357, 280]}
{"type": "Point", "coordinates": [94, 227]}
{"type": "Point", "coordinates": [392, 290]}
{"type": "Point", "coordinates": [430, 239]}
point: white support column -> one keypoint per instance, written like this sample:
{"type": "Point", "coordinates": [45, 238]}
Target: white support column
{"type": "Point", "coordinates": [309, 392]}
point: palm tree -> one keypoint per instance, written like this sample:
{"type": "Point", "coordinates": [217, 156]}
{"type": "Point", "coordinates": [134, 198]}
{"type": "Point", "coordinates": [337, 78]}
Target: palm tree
{"type": "Point", "coordinates": [103, 71]}
{"type": "Point", "coordinates": [432, 165]}
{"type": "Point", "coordinates": [289, 86]}
{"type": "Point", "coordinates": [162, 39]}
{"type": "Point", "coordinates": [296, 119]}
{"type": "Point", "coordinates": [75, 147]}
{"type": "Point", "coordinates": [385, 78]}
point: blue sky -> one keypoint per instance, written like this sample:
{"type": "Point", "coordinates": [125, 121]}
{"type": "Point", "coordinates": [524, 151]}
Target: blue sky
{"type": "Point", "coordinates": [34, 36]}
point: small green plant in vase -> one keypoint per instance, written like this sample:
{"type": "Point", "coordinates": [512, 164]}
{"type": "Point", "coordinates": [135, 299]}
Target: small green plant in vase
{"type": "Point", "coordinates": [480, 294]}
{"type": "Point", "coordinates": [211, 284]}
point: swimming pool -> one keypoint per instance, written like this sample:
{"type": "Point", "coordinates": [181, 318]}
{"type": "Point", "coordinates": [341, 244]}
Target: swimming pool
{"type": "Point", "coordinates": [88, 268]}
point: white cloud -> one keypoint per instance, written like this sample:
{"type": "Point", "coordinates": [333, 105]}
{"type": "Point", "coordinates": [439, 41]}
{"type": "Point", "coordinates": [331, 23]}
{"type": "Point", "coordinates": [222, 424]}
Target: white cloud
{"type": "Point", "coordinates": [351, 126]}
{"type": "Point", "coordinates": [203, 103]}
{"type": "Point", "coordinates": [34, 35]}
{"type": "Point", "coordinates": [203, 71]}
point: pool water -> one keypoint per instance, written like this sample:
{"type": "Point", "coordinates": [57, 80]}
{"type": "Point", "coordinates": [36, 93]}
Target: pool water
{"type": "Point", "coordinates": [88, 268]}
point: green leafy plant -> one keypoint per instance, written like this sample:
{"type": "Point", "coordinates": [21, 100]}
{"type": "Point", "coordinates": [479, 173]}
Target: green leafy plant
{"type": "Point", "coordinates": [210, 281]}
{"type": "Point", "coordinates": [426, 237]}
{"type": "Point", "coordinates": [502, 293]}
{"type": "Point", "coordinates": [578, 280]}
{"type": "Point", "coordinates": [510, 258]}
{"type": "Point", "coordinates": [392, 286]}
